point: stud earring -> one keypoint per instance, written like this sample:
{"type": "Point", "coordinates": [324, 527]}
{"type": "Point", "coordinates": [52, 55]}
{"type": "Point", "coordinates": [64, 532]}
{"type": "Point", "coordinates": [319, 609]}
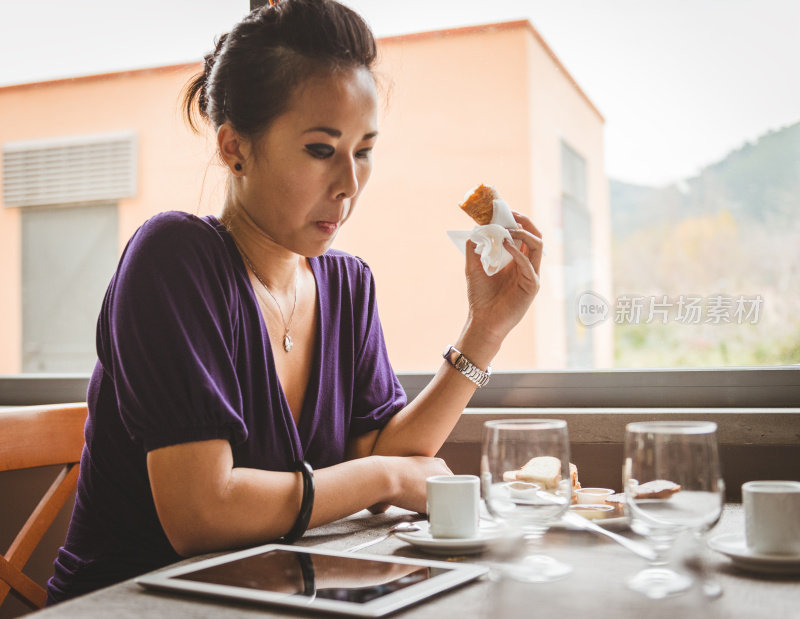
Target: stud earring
{"type": "Point", "coordinates": [238, 167]}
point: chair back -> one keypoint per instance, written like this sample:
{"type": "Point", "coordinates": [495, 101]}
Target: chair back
{"type": "Point", "coordinates": [34, 436]}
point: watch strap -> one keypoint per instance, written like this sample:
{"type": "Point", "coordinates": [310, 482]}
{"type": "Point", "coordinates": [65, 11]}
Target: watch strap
{"type": "Point", "coordinates": [459, 362]}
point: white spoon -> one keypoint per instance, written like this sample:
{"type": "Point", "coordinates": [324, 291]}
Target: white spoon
{"type": "Point", "coordinates": [400, 526]}
{"type": "Point", "coordinates": [635, 547]}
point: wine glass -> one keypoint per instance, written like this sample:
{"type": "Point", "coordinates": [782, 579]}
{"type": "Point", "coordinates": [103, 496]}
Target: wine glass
{"type": "Point", "coordinates": [527, 501]}
{"type": "Point", "coordinates": [684, 453]}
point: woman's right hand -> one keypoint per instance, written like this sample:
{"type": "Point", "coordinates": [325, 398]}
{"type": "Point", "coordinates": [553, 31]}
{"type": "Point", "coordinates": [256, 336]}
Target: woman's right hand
{"type": "Point", "coordinates": [499, 302]}
{"type": "Point", "coordinates": [410, 473]}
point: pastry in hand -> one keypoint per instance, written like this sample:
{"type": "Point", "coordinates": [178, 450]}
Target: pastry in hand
{"type": "Point", "coordinates": [480, 204]}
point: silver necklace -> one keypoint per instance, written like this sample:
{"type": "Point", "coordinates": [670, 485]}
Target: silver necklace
{"type": "Point", "coordinates": [287, 339]}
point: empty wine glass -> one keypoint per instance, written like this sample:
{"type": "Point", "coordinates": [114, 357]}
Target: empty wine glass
{"type": "Point", "coordinates": [684, 453]}
{"type": "Point", "coordinates": [527, 495]}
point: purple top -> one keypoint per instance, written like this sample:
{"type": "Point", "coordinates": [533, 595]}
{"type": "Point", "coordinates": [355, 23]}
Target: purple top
{"type": "Point", "coordinates": [184, 355]}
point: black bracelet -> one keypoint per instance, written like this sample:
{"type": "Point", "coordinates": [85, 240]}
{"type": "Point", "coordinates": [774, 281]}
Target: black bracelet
{"type": "Point", "coordinates": [301, 524]}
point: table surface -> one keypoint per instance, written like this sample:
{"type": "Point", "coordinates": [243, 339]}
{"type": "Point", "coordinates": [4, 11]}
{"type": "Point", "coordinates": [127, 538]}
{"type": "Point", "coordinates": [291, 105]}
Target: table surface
{"type": "Point", "coordinates": [596, 588]}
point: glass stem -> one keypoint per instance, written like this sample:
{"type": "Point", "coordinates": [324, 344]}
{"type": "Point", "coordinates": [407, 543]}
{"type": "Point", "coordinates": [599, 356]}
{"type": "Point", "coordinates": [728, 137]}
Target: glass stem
{"type": "Point", "coordinates": [662, 545]}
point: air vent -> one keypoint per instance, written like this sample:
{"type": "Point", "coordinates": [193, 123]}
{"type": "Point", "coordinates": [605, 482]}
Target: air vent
{"type": "Point", "coordinates": [67, 171]}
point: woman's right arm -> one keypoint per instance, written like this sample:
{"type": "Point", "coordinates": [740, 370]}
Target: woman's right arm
{"type": "Point", "coordinates": [206, 504]}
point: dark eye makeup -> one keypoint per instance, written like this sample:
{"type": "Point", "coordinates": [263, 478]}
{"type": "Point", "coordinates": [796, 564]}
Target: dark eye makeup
{"type": "Point", "coordinates": [320, 151]}
{"type": "Point", "coordinates": [324, 151]}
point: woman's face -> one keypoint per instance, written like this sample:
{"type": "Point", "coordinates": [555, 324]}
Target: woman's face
{"type": "Point", "coordinates": [305, 174]}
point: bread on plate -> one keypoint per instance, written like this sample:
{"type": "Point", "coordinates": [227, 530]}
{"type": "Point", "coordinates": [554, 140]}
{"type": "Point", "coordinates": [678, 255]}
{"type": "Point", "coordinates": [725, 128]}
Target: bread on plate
{"type": "Point", "coordinates": [545, 471]}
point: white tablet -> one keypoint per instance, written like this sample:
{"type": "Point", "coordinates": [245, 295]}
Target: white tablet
{"type": "Point", "coordinates": [316, 579]}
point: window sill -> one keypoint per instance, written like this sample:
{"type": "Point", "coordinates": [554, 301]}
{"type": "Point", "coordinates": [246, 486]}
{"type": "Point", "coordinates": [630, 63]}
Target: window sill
{"type": "Point", "coordinates": [757, 387]}
{"type": "Point", "coordinates": [736, 426]}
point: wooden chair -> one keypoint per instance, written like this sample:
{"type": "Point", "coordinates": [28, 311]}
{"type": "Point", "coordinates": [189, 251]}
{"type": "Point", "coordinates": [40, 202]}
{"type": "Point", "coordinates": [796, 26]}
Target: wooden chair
{"type": "Point", "coordinates": [33, 436]}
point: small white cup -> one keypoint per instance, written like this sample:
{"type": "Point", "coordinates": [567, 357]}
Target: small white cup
{"type": "Point", "coordinates": [772, 516]}
{"type": "Point", "coordinates": [588, 496]}
{"type": "Point", "coordinates": [453, 505]}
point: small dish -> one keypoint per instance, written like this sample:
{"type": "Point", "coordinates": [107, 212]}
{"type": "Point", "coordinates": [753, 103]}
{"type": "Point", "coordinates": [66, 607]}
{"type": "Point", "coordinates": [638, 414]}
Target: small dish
{"type": "Point", "coordinates": [487, 533]}
{"type": "Point", "coordinates": [592, 496]}
{"type": "Point", "coordinates": [733, 545]}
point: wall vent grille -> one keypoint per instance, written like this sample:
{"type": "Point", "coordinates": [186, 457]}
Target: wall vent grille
{"type": "Point", "coordinates": [68, 171]}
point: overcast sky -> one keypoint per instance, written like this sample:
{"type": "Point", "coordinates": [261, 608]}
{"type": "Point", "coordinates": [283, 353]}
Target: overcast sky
{"type": "Point", "coordinates": [680, 82]}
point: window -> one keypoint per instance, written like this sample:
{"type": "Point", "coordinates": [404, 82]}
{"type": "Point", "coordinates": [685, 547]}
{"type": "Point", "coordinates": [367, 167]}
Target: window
{"type": "Point", "coordinates": [65, 192]}
{"type": "Point", "coordinates": [664, 181]}
{"type": "Point", "coordinates": [577, 231]}
{"type": "Point", "coordinates": [672, 235]}
{"type": "Point", "coordinates": [63, 249]}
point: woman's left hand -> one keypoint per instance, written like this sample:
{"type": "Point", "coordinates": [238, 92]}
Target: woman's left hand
{"type": "Point", "coordinates": [499, 302]}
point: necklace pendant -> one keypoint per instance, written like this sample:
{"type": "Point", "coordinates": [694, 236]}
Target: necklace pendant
{"type": "Point", "coordinates": [287, 343]}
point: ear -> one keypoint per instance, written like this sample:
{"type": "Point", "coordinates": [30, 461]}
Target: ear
{"type": "Point", "coordinates": [233, 148]}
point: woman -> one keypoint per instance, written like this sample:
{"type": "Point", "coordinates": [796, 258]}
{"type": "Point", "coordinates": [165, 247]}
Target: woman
{"type": "Point", "coordinates": [243, 391]}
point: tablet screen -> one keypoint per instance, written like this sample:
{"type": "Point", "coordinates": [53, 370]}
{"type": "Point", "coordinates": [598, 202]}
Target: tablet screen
{"type": "Point", "coordinates": [349, 579]}
{"type": "Point", "coordinates": [316, 579]}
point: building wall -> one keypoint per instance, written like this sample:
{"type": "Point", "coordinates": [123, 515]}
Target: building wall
{"type": "Point", "coordinates": [462, 107]}
{"type": "Point", "coordinates": [561, 111]}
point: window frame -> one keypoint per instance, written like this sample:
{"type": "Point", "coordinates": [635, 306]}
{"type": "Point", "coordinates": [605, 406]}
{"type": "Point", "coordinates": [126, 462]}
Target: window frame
{"type": "Point", "coordinates": [750, 387]}
{"type": "Point", "coordinates": [741, 387]}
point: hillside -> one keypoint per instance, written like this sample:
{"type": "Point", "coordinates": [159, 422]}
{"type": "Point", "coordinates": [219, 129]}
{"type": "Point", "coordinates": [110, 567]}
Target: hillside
{"type": "Point", "coordinates": [760, 181]}
{"type": "Point", "coordinates": [731, 234]}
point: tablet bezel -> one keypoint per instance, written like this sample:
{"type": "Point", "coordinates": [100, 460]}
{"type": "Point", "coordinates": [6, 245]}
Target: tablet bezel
{"type": "Point", "coordinates": [456, 574]}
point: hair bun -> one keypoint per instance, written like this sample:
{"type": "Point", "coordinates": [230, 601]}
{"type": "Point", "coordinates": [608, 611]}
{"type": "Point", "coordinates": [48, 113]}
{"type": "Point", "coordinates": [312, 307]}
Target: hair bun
{"type": "Point", "coordinates": [248, 79]}
{"type": "Point", "coordinates": [211, 58]}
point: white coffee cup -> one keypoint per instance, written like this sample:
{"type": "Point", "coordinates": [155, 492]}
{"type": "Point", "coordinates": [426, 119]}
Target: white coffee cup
{"type": "Point", "coordinates": [772, 516]}
{"type": "Point", "coordinates": [453, 505]}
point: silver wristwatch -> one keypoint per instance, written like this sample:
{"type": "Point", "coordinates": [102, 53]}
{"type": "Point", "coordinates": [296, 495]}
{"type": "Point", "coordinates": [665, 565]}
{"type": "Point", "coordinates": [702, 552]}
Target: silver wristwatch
{"type": "Point", "coordinates": [466, 367]}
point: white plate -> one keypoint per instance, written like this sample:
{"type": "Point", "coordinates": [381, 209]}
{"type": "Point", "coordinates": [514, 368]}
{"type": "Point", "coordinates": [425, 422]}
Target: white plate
{"type": "Point", "coordinates": [733, 545]}
{"type": "Point", "coordinates": [618, 523]}
{"type": "Point", "coordinates": [487, 533]}
{"type": "Point", "coordinates": [613, 523]}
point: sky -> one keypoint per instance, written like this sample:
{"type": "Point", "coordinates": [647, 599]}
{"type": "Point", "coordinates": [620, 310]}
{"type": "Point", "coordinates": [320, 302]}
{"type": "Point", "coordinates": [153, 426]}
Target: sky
{"type": "Point", "coordinates": [680, 83]}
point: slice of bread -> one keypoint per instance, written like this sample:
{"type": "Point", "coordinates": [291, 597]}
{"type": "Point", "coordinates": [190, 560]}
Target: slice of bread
{"type": "Point", "coordinates": [657, 489]}
{"type": "Point", "coordinates": [543, 470]}
{"type": "Point", "coordinates": [480, 204]}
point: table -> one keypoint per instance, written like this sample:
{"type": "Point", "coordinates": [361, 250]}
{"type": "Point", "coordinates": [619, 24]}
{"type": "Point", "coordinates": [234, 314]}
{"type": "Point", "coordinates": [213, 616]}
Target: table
{"type": "Point", "coordinates": [595, 589]}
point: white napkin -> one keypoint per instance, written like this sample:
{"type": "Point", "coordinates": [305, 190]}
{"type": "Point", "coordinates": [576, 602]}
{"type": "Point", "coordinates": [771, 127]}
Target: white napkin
{"type": "Point", "coordinates": [489, 238]}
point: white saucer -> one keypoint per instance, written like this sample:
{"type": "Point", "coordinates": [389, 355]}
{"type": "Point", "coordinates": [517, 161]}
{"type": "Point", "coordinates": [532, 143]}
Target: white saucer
{"type": "Point", "coordinates": [733, 545]}
{"type": "Point", "coordinates": [487, 533]}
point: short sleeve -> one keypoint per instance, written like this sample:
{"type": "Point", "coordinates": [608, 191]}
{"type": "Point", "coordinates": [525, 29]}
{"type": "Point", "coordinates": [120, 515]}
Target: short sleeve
{"type": "Point", "coordinates": [378, 395]}
{"type": "Point", "coordinates": [166, 334]}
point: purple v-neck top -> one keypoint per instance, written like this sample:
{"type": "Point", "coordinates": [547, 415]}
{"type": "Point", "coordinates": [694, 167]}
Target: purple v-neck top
{"type": "Point", "coordinates": [184, 355]}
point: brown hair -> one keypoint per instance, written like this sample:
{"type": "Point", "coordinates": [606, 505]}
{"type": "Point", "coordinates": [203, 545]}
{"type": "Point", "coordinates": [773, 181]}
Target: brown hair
{"type": "Point", "coordinates": [248, 79]}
